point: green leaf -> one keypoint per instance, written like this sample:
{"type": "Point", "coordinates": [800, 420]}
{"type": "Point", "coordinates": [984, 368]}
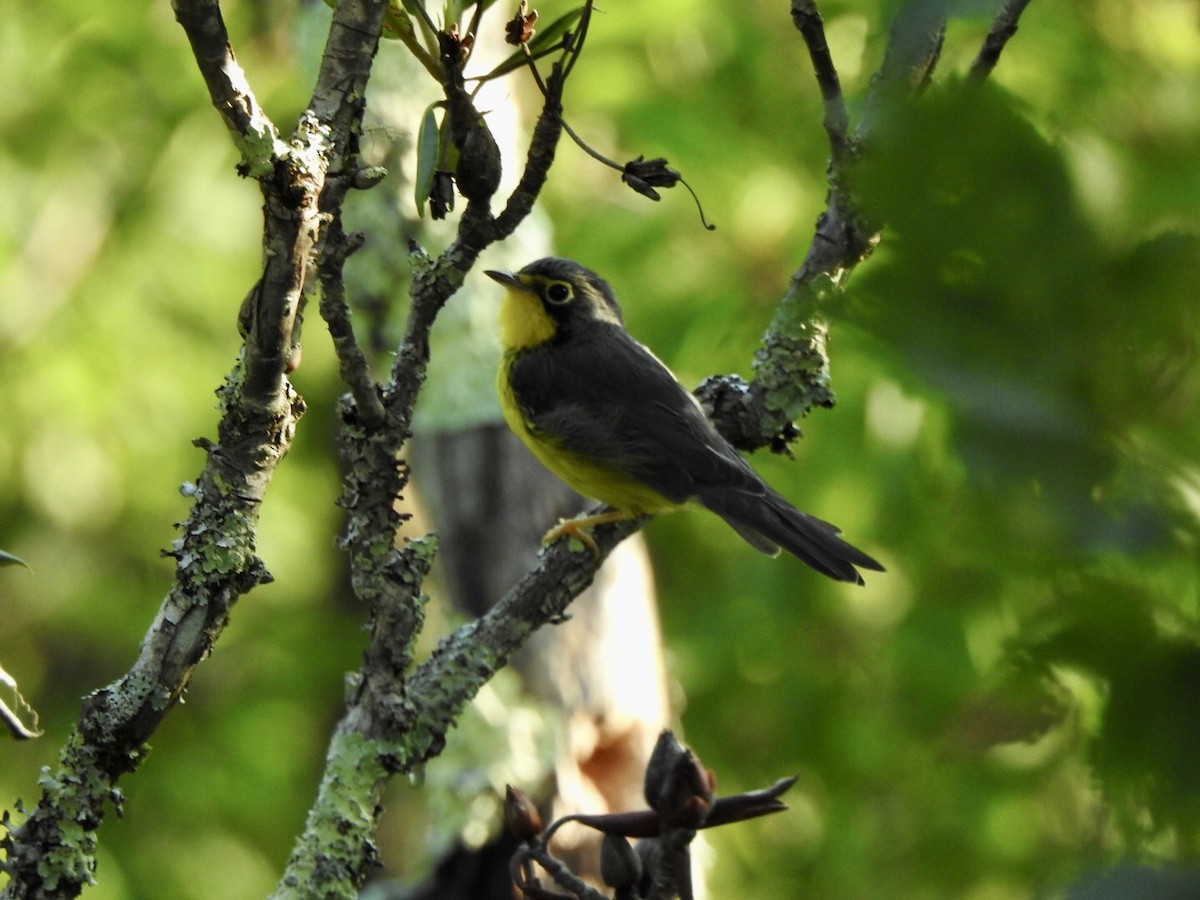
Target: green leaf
{"type": "Point", "coordinates": [7, 559]}
{"type": "Point", "coordinates": [556, 29]}
{"type": "Point", "coordinates": [427, 156]}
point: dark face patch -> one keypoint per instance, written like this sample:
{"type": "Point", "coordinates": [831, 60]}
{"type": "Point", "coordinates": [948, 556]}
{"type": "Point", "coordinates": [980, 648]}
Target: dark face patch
{"type": "Point", "coordinates": [577, 292]}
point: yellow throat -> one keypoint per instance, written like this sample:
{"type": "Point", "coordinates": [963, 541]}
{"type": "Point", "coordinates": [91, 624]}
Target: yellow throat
{"type": "Point", "coordinates": [524, 322]}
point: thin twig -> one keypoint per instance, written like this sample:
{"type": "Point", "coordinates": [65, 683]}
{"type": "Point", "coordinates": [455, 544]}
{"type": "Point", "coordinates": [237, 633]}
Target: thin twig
{"type": "Point", "coordinates": [542, 148]}
{"type": "Point", "coordinates": [836, 119]}
{"type": "Point", "coordinates": [511, 64]}
{"type": "Point", "coordinates": [532, 62]}
{"type": "Point", "coordinates": [913, 49]}
{"type": "Point", "coordinates": [473, 27]}
{"type": "Point", "coordinates": [336, 312]}
{"type": "Point", "coordinates": [253, 132]}
{"type": "Point", "coordinates": [1004, 26]}
{"type": "Point", "coordinates": [576, 46]}
{"type": "Point", "coordinates": [428, 27]}
{"type": "Point", "coordinates": [559, 871]}
{"type": "Point", "coordinates": [594, 154]}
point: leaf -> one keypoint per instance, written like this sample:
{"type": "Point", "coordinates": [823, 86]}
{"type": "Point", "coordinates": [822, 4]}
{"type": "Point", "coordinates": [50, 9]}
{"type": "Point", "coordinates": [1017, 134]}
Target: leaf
{"type": "Point", "coordinates": [7, 559]}
{"type": "Point", "coordinates": [427, 156]}
{"type": "Point", "coordinates": [396, 23]}
{"type": "Point", "coordinates": [556, 29]}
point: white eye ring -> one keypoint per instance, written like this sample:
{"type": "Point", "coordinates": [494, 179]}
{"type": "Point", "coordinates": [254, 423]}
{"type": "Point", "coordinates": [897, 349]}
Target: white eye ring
{"type": "Point", "coordinates": [558, 292]}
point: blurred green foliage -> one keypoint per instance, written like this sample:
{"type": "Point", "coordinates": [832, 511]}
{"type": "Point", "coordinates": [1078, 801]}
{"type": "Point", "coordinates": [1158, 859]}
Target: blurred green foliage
{"type": "Point", "coordinates": [1010, 705]}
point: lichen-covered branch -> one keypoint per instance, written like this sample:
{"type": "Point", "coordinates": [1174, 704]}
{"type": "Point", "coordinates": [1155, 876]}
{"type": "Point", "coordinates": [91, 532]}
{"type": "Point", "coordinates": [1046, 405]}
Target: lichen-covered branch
{"type": "Point", "coordinates": [395, 719]}
{"type": "Point", "coordinates": [468, 658]}
{"type": "Point", "coordinates": [51, 854]}
{"type": "Point", "coordinates": [353, 368]}
{"type": "Point", "coordinates": [792, 366]}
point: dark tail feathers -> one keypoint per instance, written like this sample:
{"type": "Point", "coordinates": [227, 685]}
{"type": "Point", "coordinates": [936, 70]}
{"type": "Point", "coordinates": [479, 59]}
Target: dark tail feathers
{"type": "Point", "coordinates": [769, 522]}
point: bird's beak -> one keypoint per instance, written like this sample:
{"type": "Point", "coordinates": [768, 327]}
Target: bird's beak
{"type": "Point", "coordinates": [508, 279]}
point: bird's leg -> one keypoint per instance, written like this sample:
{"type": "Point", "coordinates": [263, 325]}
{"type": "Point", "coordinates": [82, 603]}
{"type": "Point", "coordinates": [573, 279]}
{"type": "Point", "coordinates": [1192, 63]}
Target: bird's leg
{"type": "Point", "coordinates": [575, 527]}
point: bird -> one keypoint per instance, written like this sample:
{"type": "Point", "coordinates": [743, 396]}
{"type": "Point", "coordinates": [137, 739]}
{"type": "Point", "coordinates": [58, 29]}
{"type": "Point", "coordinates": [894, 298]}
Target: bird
{"type": "Point", "coordinates": [605, 415]}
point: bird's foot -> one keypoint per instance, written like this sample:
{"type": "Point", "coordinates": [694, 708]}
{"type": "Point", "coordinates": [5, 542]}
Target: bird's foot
{"type": "Point", "coordinates": [576, 528]}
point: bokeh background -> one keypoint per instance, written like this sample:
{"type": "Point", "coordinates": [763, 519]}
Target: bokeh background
{"type": "Point", "coordinates": [1010, 706]}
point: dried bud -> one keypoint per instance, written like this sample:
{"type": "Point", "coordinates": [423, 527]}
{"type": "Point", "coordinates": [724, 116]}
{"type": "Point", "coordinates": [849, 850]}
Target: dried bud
{"type": "Point", "coordinates": [677, 786]}
{"type": "Point", "coordinates": [454, 46]}
{"type": "Point", "coordinates": [478, 169]}
{"type": "Point", "coordinates": [441, 195]}
{"type": "Point", "coordinates": [620, 865]}
{"type": "Point", "coordinates": [520, 814]}
{"type": "Point", "coordinates": [644, 175]}
{"type": "Point", "coordinates": [666, 751]}
{"type": "Point", "coordinates": [519, 29]}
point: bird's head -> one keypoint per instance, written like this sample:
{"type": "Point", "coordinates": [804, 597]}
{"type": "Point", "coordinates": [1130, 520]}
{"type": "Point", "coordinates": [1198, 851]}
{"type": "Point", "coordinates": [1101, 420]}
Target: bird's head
{"type": "Point", "coordinates": [552, 298]}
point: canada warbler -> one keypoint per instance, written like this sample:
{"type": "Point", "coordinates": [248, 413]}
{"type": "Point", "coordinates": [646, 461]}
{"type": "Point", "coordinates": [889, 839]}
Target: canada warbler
{"type": "Point", "coordinates": [608, 418]}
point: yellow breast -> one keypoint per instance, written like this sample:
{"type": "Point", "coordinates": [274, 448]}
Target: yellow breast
{"type": "Point", "coordinates": [586, 475]}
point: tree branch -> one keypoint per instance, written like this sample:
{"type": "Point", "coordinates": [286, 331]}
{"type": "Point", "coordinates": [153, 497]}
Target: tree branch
{"type": "Point", "coordinates": [52, 852]}
{"type": "Point", "coordinates": [1004, 26]}
{"type": "Point", "coordinates": [253, 133]}
{"type": "Point", "coordinates": [836, 119]}
{"type": "Point", "coordinates": [792, 366]}
{"type": "Point", "coordinates": [353, 368]}
{"type": "Point", "coordinates": [395, 722]}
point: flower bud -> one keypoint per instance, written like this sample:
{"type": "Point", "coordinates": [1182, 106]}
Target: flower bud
{"type": "Point", "coordinates": [520, 814]}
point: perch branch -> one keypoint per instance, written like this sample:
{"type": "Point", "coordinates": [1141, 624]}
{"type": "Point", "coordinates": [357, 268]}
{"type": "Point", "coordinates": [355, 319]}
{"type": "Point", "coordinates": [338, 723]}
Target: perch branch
{"type": "Point", "coordinates": [393, 721]}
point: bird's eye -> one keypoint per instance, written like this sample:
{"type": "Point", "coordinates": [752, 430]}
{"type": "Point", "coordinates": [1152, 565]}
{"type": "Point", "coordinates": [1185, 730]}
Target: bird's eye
{"type": "Point", "coordinates": [559, 292]}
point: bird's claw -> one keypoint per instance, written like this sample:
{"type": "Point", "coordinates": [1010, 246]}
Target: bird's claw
{"type": "Point", "coordinates": [572, 528]}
